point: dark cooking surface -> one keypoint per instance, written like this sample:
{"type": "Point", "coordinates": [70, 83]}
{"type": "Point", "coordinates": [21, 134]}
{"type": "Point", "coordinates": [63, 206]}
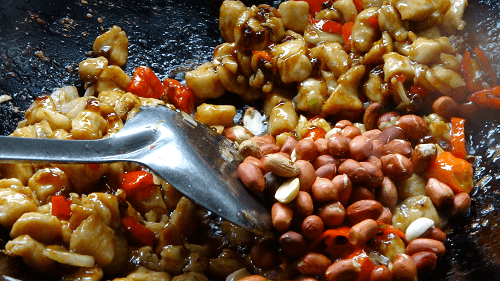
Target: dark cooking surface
{"type": "Point", "coordinates": [173, 35]}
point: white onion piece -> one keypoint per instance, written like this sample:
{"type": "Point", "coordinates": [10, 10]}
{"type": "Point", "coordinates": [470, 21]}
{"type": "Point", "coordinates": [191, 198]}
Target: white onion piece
{"type": "Point", "coordinates": [61, 255]}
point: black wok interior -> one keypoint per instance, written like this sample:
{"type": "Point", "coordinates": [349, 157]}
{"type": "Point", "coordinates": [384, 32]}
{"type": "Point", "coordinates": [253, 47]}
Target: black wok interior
{"type": "Point", "coordinates": [176, 35]}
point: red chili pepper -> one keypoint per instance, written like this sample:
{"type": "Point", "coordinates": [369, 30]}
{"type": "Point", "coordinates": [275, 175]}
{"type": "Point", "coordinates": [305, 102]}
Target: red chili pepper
{"type": "Point", "coordinates": [418, 90]}
{"type": "Point", "coordinates": [315, 133]}
{"type": "Point", "coordinates": [326, 25]}
{"type": "Point", "coordinates": [366, 264]}
{"type": "Point", "coordinates": [346, 34]}
{"type": "Point", "coordinates": [138, 184]}
{"type": "Point", "coordinates": [61, 207]}
{"type": "Point", "coordinates": [179, 95]}
{"type": "Point", "coordinates": [314, 5]}
{"type": "Point", "coordinates": [486, 65]}
{"type": "Point", "coordinates": [458, 137]}
{"type": "Point", "coordinates": [330, 239]}
{"type": "Point", "coordinates": [359, 5]}
{"type": "Point", "coordinates": [469, 69]}
{"type": "Point", "coordinates": [453, 171]}
{"type": "Point", "coordinates": [145, 83]}
{"type": "Point", "coordinates": [138, 231]}
{"type": "Point", "coordinates": [374, 22]}
{"type": "Point", "coordinates": [262, 55]}
{"type": "Point", "coordinates": [487, 98]}
{"type": "Point", "coordinates": [388, 229]}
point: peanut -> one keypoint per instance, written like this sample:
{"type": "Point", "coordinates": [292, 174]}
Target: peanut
{"type": "Point", "coordinates": [306, 149]}
{"type": "Point", "coordinates": [423, 156]}
{"type": "Point", "coordinates": [351, 132]}
{"type": "Point", "coordinates": [289, 145]}
{"type": "Point", "coordinates": [250, 148]}
{"type": "Point", "coordinates": [398, 146]}
{"type": "Point", "coordinates": [313, 264]}
{"type": "Point", "coordinates": [441, 194]}
{"type": "Point", "coordinates": [307, 175]}
{"type": "Point", "coordinates": [264, 254]}
{"type": "Point", "coordinates": [342, 124]}
{"type": "Point", "coordinates": [387, 194]}
{"type": "Point", "coordinates": [264, 139]}
{"type": "Point", "coordinates": [303, 204]}
{"type": "Point", "coordinates": [327, 171]}
{"type": "Point", "coordinates": [256, 162]}
{"type": "Point", "coordinates": [387, 120]}
{"type": "Point", "coordinates": [372, 114]}
{"type": "Point", "coordinates": [280, 166]}
{"type": "Point", "coordinates": [364, 209]}
{"type": "Point", "coordinates": [361, 193]}
{"type": "Point", "coordinates": [353, 170]}
{"type": "Point", "coordinates": [323, 160]}
{"type": "Point", "coordinates": [381, 273]}
{"type": "Point", "coordinates": [374, 175]}
{"type": "Point", "coordinates": [288, 191]}
{"type": "Point", "coordinates": [338, 146]}
{"type": "Point", "coordinates": [404, 268]}
{"type": "Point", "coordinates": [390, 134]}
{"type": "Point", "coordinates": [436, 234]}
{"type": "Point", "coordinates": [281, 216]}
{"type": "Point", "coordinates": [332, 214]}
{"type": "Point", "coordinates": [461, 204]}
{"type": "Point", "coordinates": [445, 106]}
{"type": "Point", "coordinates": [312, 227]}
{"type": "Point", "coordinates": [324, 190]}
{"type": "Point", "coordinates": [378, 149]}
{"type": "Point", "coordinates": [386, 216]}
{"type": "Point", "coordinates": [269, 148]}
{"type": "Point", "coordinates": [372, 134]}
{"type": "Point", "coordinates": [322, 145]}
{"type": "Point", "coordinates": [237, 133]}
{"type": "Point", "coordinates": [254, 278]}
{"type": "Point", "coordinates": [427, 245]}
{"type": "Point", "coordinates": [363, 231]}
{"type": "Point", "coordinates": [396, 166]}
{"type": "Point", "coordinates": [345, 270]}
{"type": "Point", "coordinates": [252, 177]}
{"type": "Point", "coordinates": [292, 243]}
{"type": "Point", "coordinates": [424, 261]}
{"type": "Point", "coordinates": [343, 184]}
{"type": "Point", "coordinates": [414, 126]}
{"type": "Point", "coordinates": [360, 148]}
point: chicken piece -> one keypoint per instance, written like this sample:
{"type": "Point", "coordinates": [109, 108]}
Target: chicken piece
{"type": "Point", "coordinates": [276, 97]}
{"type": "Point", "coordinates": [84, 274]}
{"type": "Point", "coordinates": [395, 63]}
{"type": "Point", "coordinates": [62, 96]}
{"type": "Point", "coordinates": [55, 119]}
{"type": "Point", "coordinates": [413, 208]}
{"type": "Point", "coordinates": [204, 82]}
{"type": "Point", "coordinates": [450, 61]}
{"type": "Point", "coordinates": [47, 182]}
{"type": "Point", "coordinates": [439, 127]}
{"type": "Point", "coordinates": [452, 19]}
{"type": "Point", "coordinates": [112, 78]}
{"type": "Point", "coordinates": [41, 227]}
{"type": "Point", "coordinates": [121, 256]}
{"type": "Point", "coordinates": [311, 95]}
{"type": "Point", "coordinates": [363, 33]}
{"type": "Point", "coordinates": [330, 80]}
{"type": "Point", "coordinates": [112, 44]}
{"type": "Point", "coordinates": [314, 36]}
{"type": "Point", "coordinates": [332, 55]}
{"type": "Point", "coordinates": [448, 77]}
{"type": "Point", "coordinates": [190, 276]}
{"type": "Point", "coordinates": [83, 177]}
{"type": "Point", "coordinates": [291, 60]}
{"type": "Point", "coordinates": [375, 88]}
{"type": "Point", "coordinates": [427, 78]}
{"type": "Point", "coordinates": [294, 15]}
{"type": "Point", "coordinates": [347, 10]}
{"type": "Point", "coordinates": [415, 10]}
{"type": "Point", "coordinates": [413, 186]}
{"type": "Point", "coordinates": [230, 11]}
{"type": "Point", "coordinates": [378, 50]}
{"type": "Point", "coordinates": [94, 238]}
{"type": "Point", "coordinates": [424, 50]}
{"type": "Point", "coordinates": [18, 171]}
{"type": "Point", "coordinates": [213, 115]}
{"type": "Point", "coordinates": [391, 247]}
{"type": "Point", "coordinates": [143, 273]}
{"type": "Point", "coordinates": [91, 68]}
{"type": "Point", "coordinates": [127, 102]}
{"type": "Point", "coordinates": [13, 205]}
{"type": "Point", "coordinates": [345, 96]}
{"type": "Point", "coordinates": [258, 26]}
{"type": "Point", "coordinates": [32, 253]}
{"type": "Point", "coordinates": [106, 207]}
{"type": "Point", "coordinates": [110, 97]}
{"type": "Point", "coordinates": [72, 108]}
{"type": "Point", "coordinates": [283, 118]}
{"type": "Point", "coordinates": [88, 125]}
{"type": "Point", "coordinates": [390, 20]}
{"type": "Point", "coordinates": [372, 3]}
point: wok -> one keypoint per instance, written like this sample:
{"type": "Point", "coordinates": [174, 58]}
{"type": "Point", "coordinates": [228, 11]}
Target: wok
{"type": "Point", "coordinates": [173, 36]}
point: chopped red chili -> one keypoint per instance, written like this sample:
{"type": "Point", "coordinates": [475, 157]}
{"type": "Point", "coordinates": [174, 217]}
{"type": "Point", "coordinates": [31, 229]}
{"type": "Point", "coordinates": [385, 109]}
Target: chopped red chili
{"type": "Point", "coordinates": [145, 83]}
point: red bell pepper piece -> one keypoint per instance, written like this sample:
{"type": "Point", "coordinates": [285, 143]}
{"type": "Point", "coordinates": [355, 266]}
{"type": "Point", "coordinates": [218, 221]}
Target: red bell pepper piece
{"type": "Point", "coordinates": [326, 25]}
{"type": "Point", "coordinates": [61, 207]}
{"type": "Point", "coordinates": [137, 184]}
{"type": "Point", "coordinates": [453, 171]}
{"type": "Point", "coordinates": [458, 137]}
{"type": "Point", "coordinates": [145, 83]}
{"type": "Point", "coordinates": [487, 98]}
{"type": "Point", "coordinates": [315, 133]}
{"type": "Point", "coordinates": [469, 70]}
{"type": "Point", "coordinates": [346, 34]}
{"type": "Point", "coordinates": [138, 231]}
{"type": "Point", "coordinates": [485, 64]}
{"type": "Point", "coordinates": [179, 95]}
{"type": "Point", "coordinates": [359, 5]}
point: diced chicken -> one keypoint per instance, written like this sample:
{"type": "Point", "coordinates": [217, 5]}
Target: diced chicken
{"type": "Point", "coordinates": [314, 36]}
{"type": "Point", "coordinates": [412, 209]}
{"type": "Point", "coordinates": [375, 88]}
{"type": "Point", "coordinates": [145, 274]}
{"type": "Point", "coordinates": [94, 238]}
{"type": "Point", "coordinates": [41, 227]}
{"type": "Point", "coordinates": [72, 108]}
{"type": "Point", "coordinates": [126, 102]}
{"type": "Point", "coordinates": [63, 95]}
{"type": "Point", "coordinates": [83, 177]}
{"type": "Point", "coordinates": [425, 50]}
{"type": "Point", "coordinates": [448, 76]}
{"type": "Point", "coordinates": [47, 182]}
{"type": "Point", "coordinates": [363, 33]}
{"type": "Point", "coordinates": [452, 19]}
{"type": "Point", "coordinates": [395, 63]}
{"type": "Point", "coordinates": [276, 97]}
{"type": "Point", "coordinates": [390, 20]}
{"type": "Point", "coordinates": [55, 119]}
{"type": "Point", "coordinates": [110, 97]}
{"type": "Point", "coordinates": [294, 15]}
{"type": "Point", "coordinates": [345, 96]}
{"type": "Point", "coordinates": [283, 118]}
{"type": "Point", "coordinates": [112, 44]}
{"type": "Point", "coordinates": [347, 9]}
{"type": "Point", "coordinates": [85, 274]}
{"type": "Point", "coordinates": [204, 82]}
{"type": "Point", "coordinates": [112, 78]}
{"type": "Point", "coordinates": [13, 205]}
{"type": "Point", "coordinates": [20, 171]}
{"type": "Point", "coordinates": [438, 126]}
{"type": "Point", "coordinates": [413, 186]}
{"type": "Point", "coordinates": [91, 68]}
{"type": "Point", "coordinates": [311, 95]}
{"type": "Point", "coordinates": [88, 125]}
{"type": "Point", "coordinates": [415, 10]}
{"type": "Point", "coordinates": [291, 60]}
{"type": "Point", "coordinates": [332, 55]}
{"type": "Point", "coordinates": [230, 11]}
{"type": "Point", "coordinates": [32, 253]}
{"type": "Point", "coordinates": [121, 256]}
{"type": "Point", "coordinates": [106, 207]}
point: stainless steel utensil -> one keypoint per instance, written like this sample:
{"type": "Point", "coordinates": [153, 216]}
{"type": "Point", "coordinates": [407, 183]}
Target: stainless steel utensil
{"type": "Point", "coordinates": [196, 160]}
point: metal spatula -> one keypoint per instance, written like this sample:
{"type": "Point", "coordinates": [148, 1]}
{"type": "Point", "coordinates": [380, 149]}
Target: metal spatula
{"type": "Point", "coordinates": [193, 158]}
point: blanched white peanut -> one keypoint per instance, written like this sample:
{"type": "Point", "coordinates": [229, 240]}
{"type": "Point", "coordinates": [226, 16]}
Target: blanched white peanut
{"type": "Point", "coordinates": [288, 191]}
{"type": "Point", "coordinates": [418, 227]}
{"type": "Point", "coordinates": [112, 44]}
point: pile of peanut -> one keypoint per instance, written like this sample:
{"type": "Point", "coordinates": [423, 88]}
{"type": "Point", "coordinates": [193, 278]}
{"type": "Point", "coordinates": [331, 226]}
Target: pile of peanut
{"type": "Point", "coordinates": [360, 180]}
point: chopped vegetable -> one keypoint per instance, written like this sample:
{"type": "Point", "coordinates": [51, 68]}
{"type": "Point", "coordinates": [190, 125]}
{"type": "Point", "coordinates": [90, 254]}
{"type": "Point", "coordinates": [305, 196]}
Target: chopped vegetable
{"type": "Point", "coordinates": [138, 231]}
{"type": "Point", "coordinates": [487, 98]}
{"type": "Point", "coordinates": [453, 171]}
{"type": "Point", "coordinates": [458, 137]}
{"type": "Point", "coordinates": [469, 68]}
{"type": "Point", "coordinates": [61, 207]}
{"type": "Point", "coordinates": [359, 5]}
{"type": "Point", "coordinates": [137, 184]}
{"type": "Point", "coordinates": [145, 83]}
{"type": "Point", "coordinates": [485, 64]}
{"type": "Point", "coordinates": [374, 22]}
{"type": "Point", "coordinates": [346, 34]}
{"type": "Point", "coordinates": [315, 133]}
{"type": "Point", "coordinates": [388, 229]}
{"type": "Point", "coordinates": [365, 262]}
{"type": "Point", "coordinates": [179, 95]}
{"type": "Point", "coordinates": [326, 25]}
